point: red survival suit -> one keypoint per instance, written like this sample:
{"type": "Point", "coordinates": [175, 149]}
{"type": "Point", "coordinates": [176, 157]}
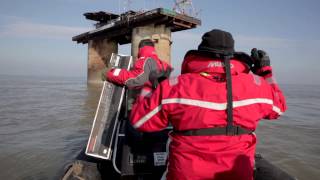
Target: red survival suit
{"type": "Point", "coordinates": [196, 100]}
{"type": "Point", "coordinates": [146, 65]}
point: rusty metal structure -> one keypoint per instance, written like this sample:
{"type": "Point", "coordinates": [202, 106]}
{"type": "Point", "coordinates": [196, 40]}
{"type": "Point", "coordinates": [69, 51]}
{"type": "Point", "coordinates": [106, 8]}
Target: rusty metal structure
{"type": "Point", "coordinates": [130, 27]}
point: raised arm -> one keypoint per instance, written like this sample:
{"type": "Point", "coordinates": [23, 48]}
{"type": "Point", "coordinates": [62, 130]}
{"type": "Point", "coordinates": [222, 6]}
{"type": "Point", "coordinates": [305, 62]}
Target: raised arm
{"type": "Point", "coordinates": [264, 69]}
{"type": "Point", "coordinates": [136, 77]}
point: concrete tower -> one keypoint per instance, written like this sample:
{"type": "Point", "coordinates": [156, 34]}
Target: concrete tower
{"type": "Point", "coordinates": [130, 27]}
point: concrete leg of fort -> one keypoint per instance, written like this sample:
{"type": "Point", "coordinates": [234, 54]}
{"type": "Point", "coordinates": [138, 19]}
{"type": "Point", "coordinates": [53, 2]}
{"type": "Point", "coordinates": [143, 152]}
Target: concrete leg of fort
{"type": "Point", "coordinates": [99, 53]}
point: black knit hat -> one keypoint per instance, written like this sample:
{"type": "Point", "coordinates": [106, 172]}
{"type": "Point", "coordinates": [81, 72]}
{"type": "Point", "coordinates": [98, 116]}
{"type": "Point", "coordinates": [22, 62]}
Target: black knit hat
{"type": "Point", "coordinates": [217, 41]}
{"type": "Point", "coordinates": [146, 42]}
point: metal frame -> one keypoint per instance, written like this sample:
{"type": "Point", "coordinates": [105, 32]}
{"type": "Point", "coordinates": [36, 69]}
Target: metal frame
{"type": "Point", "coordinates": [108, 150]}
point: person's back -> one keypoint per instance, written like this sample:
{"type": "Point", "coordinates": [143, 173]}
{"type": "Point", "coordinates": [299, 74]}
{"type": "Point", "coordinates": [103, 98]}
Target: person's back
{"type": "Point", "coordinates": [147, 67]}
{"type": "Point", "coordinates": [195, 104]}
{"type": "Point", "coordinates": [198, 101]}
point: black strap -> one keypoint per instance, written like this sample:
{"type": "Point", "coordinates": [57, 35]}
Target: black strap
{"type": "Point", "coordinates": [236, 130]}
{"type": "Point", "coordinates": [230, 127]}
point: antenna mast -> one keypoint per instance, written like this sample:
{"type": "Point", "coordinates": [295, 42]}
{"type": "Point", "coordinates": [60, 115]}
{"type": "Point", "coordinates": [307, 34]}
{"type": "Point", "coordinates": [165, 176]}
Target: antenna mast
{"type": "Point", "coordinates": [185, 7]}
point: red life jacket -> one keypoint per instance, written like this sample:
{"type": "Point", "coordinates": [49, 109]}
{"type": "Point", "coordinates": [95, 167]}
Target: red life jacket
{"type": "Point", "coordinates": [196, 100]}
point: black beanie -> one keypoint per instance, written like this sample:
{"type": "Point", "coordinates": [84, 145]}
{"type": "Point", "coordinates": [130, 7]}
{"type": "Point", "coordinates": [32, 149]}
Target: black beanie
{"type": "Point", "coordinates": [146, 42]}
{"type": "Point", "coordinates": [217, 41]}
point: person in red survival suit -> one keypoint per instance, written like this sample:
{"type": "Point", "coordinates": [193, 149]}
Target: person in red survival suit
{"type": "Point", "coordinates": [148, 67]}
{"type": "Point", "coordinates": [206, 143]}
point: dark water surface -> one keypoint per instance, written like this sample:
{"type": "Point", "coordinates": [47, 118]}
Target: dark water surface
{"type": "Point", "coordinates": [45, 122]}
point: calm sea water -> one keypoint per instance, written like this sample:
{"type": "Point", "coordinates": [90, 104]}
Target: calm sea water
{"type": "Point", "coordinates": [45, 122]}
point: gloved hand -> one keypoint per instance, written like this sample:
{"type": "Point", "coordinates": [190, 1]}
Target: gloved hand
{"type": "Point", "coordinates": [104, 73]}
{"type": "Point", "coordinates": [261, 60]}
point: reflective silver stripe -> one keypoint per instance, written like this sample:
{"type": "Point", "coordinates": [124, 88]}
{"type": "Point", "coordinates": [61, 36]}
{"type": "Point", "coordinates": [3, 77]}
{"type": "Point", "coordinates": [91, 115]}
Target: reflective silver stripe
{"type": "Point", "coordinates": [221, 106]}
{"type": "Point", "coordinates": [116, 72]}
{"type": "Point", "coordinates": [147, 117]}
{"type": "Point", "coordinates": [257, 101]}
{"type": "Point", "coordinates": [199, 103]}
{"type": "Point", "coordinates": [247, 102]}
{"type": "Point", "coordinates": [208, 105]}
{"type": "Point", "coordinates": [277, 110]}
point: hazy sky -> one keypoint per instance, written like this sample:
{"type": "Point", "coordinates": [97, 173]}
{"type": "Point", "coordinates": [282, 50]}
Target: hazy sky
{"type": "Point", "coordinates": [35, 35]}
